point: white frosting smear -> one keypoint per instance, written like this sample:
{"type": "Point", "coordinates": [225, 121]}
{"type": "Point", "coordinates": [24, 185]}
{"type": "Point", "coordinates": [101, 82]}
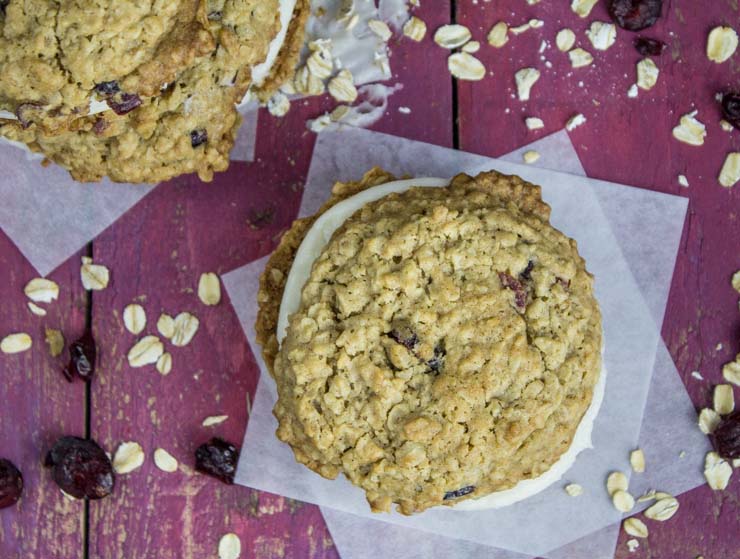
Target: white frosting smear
{"type": "Point", "coordinates": [313, 244]}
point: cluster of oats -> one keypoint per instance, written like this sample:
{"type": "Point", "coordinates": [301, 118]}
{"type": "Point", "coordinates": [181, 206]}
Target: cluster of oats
{"type": "Point", "coordinates": [178, 330]}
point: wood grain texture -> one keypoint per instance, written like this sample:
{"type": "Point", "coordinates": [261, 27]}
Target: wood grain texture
{"type": "Point", "coordinates": [37, 405]}
{"type": "Point", "coordinates": [629, 141]}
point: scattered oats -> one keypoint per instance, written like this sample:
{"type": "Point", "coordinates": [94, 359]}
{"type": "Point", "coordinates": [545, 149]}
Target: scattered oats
{"type": "Point", "coordinates": [55, 340]}
{"type": "Point", "coordinates": [519, 29]}
{"type": "Point", "coordinates": [635, 527]}
{"type": "Point", "coordinates": [690, 131]}
{"type": "Point", "coordinates": [731, 371]}
{"type": "Point", "coordinates": [534, 123]}
{"type": "Point", "coordinates": [730, 173]}
{"type": "Point", "coordinates": [682, 454]}
{"type": "Point", "coordinates": [525, 79]}
{"type": "Point", "coordinates": [536, 23]}
{"type": "Point", "coordinates": [736, 463]}
{"type": "Point", "coordinates": [94, 277]}
{"type": "Point", "coordinates": [602, 35]}
{"type": "Point", "coordinates": [164, 364]}
{"type": "Point", "coordinates": [708, 420]}
{"type": "Point", "coordinates": [580, 58]}
{"type": "Point", "coordinates": [717, 471]}
{"type": "Point", "coordinates": [339, 112]}
{"type": "Point", "coordinates": [166, 326]}
{"type": "Point", "coordinates": [16, 343]}
{"type": "Point", "coordinates": [582, 7]}
{"type": "Point", "coordinates": [632, 91]}
{"type": "Point", "coordinates": [145, 352]}
{"type": "Point", "coordinates": [465, 66]}
{"type": "Point", "coordinates": [128, 457]}
{"type": "Point", "coordinates": [320, 124]}
{"type": "Point", "coordinates": [165, 461]}
{"type": "Point", "coordinates": [35, 309]}
{"type": "Point", "coordinates": [736, 281]}
{"type": "Point", "coordinates": [41, 290]}
{"type": "Point", "coordinates": [530, 156]}
{"type": "Point", "coordinates": [662, 495]}
{"type": "Point", "coordinates": [452, 36]}
{"type": "Point", "coordinates": [533, 2]}
{"type": "Point", "coordinates": [647, 496]}
{"type": "Point", "coordinates": [415, 29]}
{"type": "Point", "coordinates": [573, 489]}
{"type": "Point", "coordinates": [404, 110]}
{"type": "Point", "coordinates": [726, 126]}
{"type": "Point", "coordinates": [724, 399]}
{"type": "Point", "coordinates": [498, 36]}
{"type": "Point", "coordinates": [279, 104]}
{"type": "Point", "coordinates": [683, 181]}
{"type": "Point", "coordinates": [380, 59]}
{"type": "Point", "coordinates": [471, 47]}
{"type": "Point", "coordinates": [615, 482]}
{"type": "Point", "coordinates": [721, 44]}
{"type": "Point", "coordinates": [623, 501]}
{"type": "Point", "coordinates": [637, 460]}
{"type": "Point", "coordinates": [662, 509]}
{"type": "Point", "coordinates": [647, 74]}
{"type": "Point", "coordinates": [320, 63]}
{"type": "Point", "coordinates": [186, 325]}
{"type": "Point", "coordinates": [565, 39]}
{"type": "Point", "coordinates": [574, 122]}
{"type": "Point", "coordinates": [134, 318]}
{"type": "Point", "coordinates": [342, 87]}
{"type": "Point", "coordinates": [632, 545]}
{"type": "Point", "coordinates": [718, 347]}
{"type": "Point", "coordinates": [230, 547]}
{"type": "Point", "coordinates": [380, 28]}
{"type": "Point", "coordinates": [214, 420]}
{"type": "Point", "coordinates": [307, 83]}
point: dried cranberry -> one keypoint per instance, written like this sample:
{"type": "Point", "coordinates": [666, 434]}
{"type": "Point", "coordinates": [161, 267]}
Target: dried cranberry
{"type": "Point", "coordinates": [459, 492]}
{"type": "Point", "coordinates": [405, 337]}
{"type": "Point", "coordinates": [124, 103]}
{"type": "Point", "coordinates": [100, 126]}
{"type": "Point", "coordinates": [564, 282]}
{"type": "Point", "coordinates": [198, 137]}
{"type": "Point", "coordinates": [649, 47]}
{"type": "Point", "coordinates": [634, 15]}
{"type": "Point", "coordinates": [436, 362]}
{"type": "Point", "coordinates": [82, 356]}
{"type": "Point", "coordinates": [81, 468]}
{"type": "Point", "coordinates": [108, 89]}
{"type": "Point", "coordinates": [520, 292]}
{"type": "Point", "coordinates": [527, 272]}
{"type": "Point", "coordinates": [11, 484]}
{"type": "Point", "coordinates": [731, 108]}
{"type": "Point", "coordinates": [217, 458]}
{"type": "Point", "coordinates": [25, 113]}
{"type": "Point", "coordinates": [727, 436]}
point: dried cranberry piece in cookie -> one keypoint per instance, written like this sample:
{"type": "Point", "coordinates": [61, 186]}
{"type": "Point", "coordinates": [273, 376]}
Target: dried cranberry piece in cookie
{"type": "Point", "coordinates": [459, 492]}
{"type": "Point", "coordinates": [731, 108]}
{"type": "Point", "coordinates": [217, 458]}
{"type": "Point", "coordinates": [634, 15]}
{"type": "Point", "coordinates": [82, 357]}
{"type": "Point", "coordinates": [81, 468]}
{"type": "Point", "coordinates": [198, 137]}
{"type": "Point", "coordinates": [405, 336]}
{"type": "Point", "coordinates": [11, 484]}
{"type": "Point", "coordinates": [649, 47]}
{"type": "Point", "coordinates": [26, 112]}
{"type": "Point", "coordinates": [436, 362]}
{"type": "Point", "coordinates": [124, 103]}
{"type": "Point", "coordinates": [520, 292]}
{"type": "Point", "coordinates": [727, 437]}
{"type": "Point", "coordinates": [108, 89]}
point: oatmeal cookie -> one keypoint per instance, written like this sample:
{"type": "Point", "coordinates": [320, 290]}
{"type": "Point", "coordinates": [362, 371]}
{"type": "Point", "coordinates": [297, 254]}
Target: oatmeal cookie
{"type": "Point", "coordinates": [190, 125]}
{"type": "Point", "coordinates": [446, 347]}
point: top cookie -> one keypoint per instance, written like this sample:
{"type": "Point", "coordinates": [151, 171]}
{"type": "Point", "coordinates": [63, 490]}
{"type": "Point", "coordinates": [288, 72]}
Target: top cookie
{"type": "Point", "coordinates": [446, 346]}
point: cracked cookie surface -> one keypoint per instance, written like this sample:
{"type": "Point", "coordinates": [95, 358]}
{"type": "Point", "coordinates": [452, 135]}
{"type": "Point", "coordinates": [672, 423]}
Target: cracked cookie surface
{"type": "Point", "coordinates": [446, 346]}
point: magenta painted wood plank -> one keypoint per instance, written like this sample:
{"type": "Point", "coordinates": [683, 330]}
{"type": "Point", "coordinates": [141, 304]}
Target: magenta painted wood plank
{"type": "Point", "coordinates": [156, 253]}
{"type": "Point", "coordinates": [38, 405]}
{"type": "Point", "coordinates": [629, 141]}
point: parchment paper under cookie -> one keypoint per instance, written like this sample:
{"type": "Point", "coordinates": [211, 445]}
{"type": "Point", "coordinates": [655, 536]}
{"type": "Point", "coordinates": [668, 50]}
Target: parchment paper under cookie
{"type": "Point", "coordinates": [585, 525]}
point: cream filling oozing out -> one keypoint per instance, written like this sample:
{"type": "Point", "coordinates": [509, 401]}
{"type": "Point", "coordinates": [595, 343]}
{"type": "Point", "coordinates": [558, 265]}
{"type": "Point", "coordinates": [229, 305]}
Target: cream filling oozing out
{"type": "Point", "coordinates": [313, 244]}
{"type": "Point", "coordinates": [260, 72]}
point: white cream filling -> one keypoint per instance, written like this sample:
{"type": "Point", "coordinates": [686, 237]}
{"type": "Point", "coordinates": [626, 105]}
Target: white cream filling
{"type": "Point", "coordinates": [313, 244]}
{"type": "Point", "coordinates": [260, 72]}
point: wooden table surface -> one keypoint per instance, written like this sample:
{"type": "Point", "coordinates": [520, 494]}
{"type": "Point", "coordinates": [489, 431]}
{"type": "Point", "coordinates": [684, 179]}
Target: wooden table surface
{"type": "Point", "coordinates": [157, 251]}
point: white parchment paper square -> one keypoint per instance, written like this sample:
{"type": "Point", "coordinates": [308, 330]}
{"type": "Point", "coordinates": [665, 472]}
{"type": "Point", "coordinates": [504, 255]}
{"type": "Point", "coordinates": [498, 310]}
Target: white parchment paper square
{"type": "Point", "coordinates": [630, 356]}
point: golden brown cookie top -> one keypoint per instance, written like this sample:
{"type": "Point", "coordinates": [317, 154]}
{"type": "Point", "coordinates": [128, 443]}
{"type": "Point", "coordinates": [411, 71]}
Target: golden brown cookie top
{"type": "Point", "coordinates": [446, 346]}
